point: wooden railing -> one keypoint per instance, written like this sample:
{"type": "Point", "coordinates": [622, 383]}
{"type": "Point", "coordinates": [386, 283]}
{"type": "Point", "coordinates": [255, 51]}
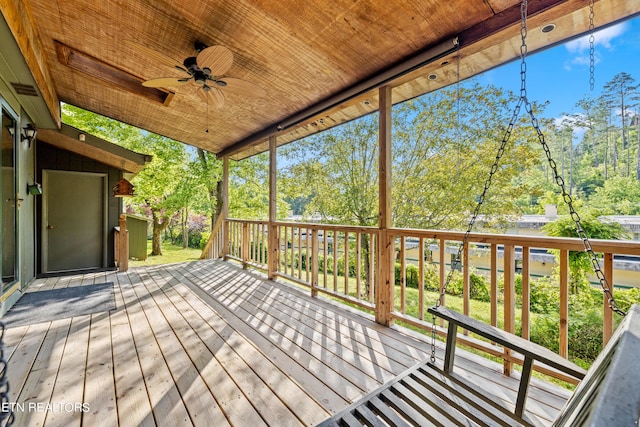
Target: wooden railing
{"type": "Point", "coordinates": [214, 248]}
{"type": "Point", "coordinates": [317, 256]}
{"type": "Point", "coordinates": [121, 244]}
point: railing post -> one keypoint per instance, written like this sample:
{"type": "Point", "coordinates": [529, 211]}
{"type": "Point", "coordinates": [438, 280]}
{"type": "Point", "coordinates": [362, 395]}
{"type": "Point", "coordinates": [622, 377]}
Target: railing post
{"type": "Point", "coordinates": [123, 244]}
{"type": "Point", "coordinates": [509, 269]}
{"type": "Point", "coordinates": [493, 300]}
{"type": "Point", "coordinates": [564, 303]}
{"type": "Point", "coordinates": [384, 290]}
{"type": "Point", "coordinates": [607, 326]}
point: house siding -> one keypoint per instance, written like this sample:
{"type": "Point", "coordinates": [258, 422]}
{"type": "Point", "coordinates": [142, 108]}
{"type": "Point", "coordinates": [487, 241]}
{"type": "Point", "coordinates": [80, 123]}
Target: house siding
{"type": "Point", "coordinates": [50, 157]}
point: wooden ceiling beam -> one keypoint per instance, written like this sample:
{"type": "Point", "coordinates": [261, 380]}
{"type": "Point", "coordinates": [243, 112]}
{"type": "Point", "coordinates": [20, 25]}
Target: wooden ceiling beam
{"type": "Point", "coordinates": [94, 67]}
{"type": "Point", "coordinates": [20, 22]}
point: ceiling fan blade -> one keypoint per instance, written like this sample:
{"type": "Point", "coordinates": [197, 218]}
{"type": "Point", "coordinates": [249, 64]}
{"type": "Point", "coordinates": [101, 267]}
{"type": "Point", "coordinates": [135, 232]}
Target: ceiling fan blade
{"type": "Point", "coordinates": [153, 54]}
{"type": "Point", "coordinates": [165, 82]}
{"type": "Point", "coordinates": [242, 87]}
{"type": "Point", "coordinates": [215, 95]}
{"type": "Point", "coordinates": [216, 58]}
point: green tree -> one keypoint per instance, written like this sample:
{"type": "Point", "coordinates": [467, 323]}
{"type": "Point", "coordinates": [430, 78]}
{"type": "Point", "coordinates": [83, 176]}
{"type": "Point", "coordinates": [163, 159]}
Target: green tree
{"type": "Point", "coordinates": [444, 146]}
{"type": "Point", "coordinates": [619, 195]}
{"type": "Point", "coordinates": [158, 183]}
{"type": "Point", "coordinates": [621, 93]}
{"type": "Point", "coordinates": [580, 262]}
{"type": "Point", "coordinates": [210, 175]}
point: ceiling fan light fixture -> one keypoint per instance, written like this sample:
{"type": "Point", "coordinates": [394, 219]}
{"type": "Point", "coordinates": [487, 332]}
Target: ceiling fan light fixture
{"type": "Point", "coordinates": [221, 83]}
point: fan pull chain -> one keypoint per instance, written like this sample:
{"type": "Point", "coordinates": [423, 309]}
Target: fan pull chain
{"type": "Point", "coordinates": [206, 95]}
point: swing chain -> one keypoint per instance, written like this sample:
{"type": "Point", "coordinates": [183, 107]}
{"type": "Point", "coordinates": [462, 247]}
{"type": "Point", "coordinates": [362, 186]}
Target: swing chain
{"type": "Point", "coordinates": [455, 264]}
{"type": "Point", "coordinates": [592, 49]}
{"type": "Point", "coordinates": [6, 412]}
{"type": "Point", "coordinates": [582, 234]}
{"type": "Point", "coordinates": [494, 168]}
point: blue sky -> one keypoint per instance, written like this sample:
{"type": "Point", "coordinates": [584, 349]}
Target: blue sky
{"type": "Point", "coordinates": [560, 74]}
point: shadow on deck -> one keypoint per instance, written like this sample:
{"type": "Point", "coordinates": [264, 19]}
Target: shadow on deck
{"type": "Point", "coordinates": [207, 343]}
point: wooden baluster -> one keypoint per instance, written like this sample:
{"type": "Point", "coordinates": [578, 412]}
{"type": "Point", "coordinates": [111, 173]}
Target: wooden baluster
{"type": "Point", "coordinates": [325, 254]}
{"type": "Point", "coordinates": [314, 263]}
{"type": "Point", "coordinates": [373, 242]}
{"type": "Point", "coordinates": [245, 244]}
{"type": "Point", "coordinates": [443, 274]}
{"type": "Point", "coordinates": [403, 275]}
{"type": "Point", "coordinates": [421, 279]}
{"type": "Point", "coordinates": [494, 285]}
{"type": "Point", "coordinates": [335, 260]}
{"type": "Point", "coordinates": [358, 264]}
{"type": "Point", "coordinates": [346, 263]}
{"type": "Point", "coordinates": [526, 293]}
{"type": "Point", "coordinates": [466, 291]}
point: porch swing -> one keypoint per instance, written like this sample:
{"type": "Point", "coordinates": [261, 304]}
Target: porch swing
{"type": "Point", "coordinates": [608, 393]}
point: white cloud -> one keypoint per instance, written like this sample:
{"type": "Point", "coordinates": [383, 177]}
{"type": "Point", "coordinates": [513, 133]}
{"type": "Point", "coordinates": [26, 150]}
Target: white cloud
{"type": "Point", "coordinates": [601, 38]}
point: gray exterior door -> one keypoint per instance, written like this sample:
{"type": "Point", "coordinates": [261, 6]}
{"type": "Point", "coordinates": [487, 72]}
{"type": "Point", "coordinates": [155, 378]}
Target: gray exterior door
{"type": "Point", "coordinates": [74, 220]}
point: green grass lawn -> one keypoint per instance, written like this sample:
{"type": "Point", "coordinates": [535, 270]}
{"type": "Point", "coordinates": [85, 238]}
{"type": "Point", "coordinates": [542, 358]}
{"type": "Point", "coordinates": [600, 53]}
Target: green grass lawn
{"type": "Point", "coordinates": [170, 254]}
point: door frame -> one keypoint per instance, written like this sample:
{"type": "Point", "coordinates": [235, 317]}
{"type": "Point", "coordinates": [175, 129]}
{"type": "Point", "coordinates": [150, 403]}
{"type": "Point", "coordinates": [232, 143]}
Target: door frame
{"type": "Point", "coordinates": [46, 174]}
{"type": "Point", "coordinates": [5, 108]}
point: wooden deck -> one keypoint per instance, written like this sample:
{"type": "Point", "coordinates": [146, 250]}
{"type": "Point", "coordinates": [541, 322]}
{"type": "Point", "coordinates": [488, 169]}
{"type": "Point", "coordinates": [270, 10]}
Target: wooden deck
{"type": "Point", "coordinates": [207, 343]}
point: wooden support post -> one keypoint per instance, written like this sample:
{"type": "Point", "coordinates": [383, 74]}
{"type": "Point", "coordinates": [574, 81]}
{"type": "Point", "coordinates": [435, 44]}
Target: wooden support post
{"type": "Point", "coordinates": [225, 207]}
{"type": "Point", "coordinates": [273, 259]}
{"type": "Point", "coordinates": [384, 288]}
{"type": "Point", "coordinates": [123, 241]}
{"type": "Point", "coordinates": [607, 327]}
{"type": "Point", "coordinates": [564, 303]}
{"type": "Point", "coordinates": [509, 269]}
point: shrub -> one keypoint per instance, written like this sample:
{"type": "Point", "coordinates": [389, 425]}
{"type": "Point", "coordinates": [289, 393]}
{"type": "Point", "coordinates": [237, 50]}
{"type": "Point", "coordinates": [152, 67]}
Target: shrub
{"type": "Point", "coordinates": [544, 296]}
{"type": "Point", "coordinates": [478, 288]}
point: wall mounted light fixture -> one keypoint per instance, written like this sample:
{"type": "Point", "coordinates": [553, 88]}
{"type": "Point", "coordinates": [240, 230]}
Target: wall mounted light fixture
{"type": "Point", "coordinates": [29, 134]}
{"type": "Point", "coordinates": [34, 189]}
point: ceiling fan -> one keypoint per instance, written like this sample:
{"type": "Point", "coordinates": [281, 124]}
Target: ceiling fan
{"type": "Point", "coordinates": [206, 71]}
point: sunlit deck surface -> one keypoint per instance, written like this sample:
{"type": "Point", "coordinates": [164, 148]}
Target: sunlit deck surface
{"type": "Point", "coordinates": [207, 343]}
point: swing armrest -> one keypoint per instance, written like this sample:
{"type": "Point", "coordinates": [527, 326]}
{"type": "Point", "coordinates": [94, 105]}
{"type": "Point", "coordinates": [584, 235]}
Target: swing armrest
{"type": "Point", "coordinates": [527, 348]}
{"type": "Point", "coordinates": [531, 351]}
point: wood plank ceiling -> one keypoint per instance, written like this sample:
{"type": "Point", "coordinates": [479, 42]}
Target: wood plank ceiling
{"type": "Point", "coordinates": [300, 52]}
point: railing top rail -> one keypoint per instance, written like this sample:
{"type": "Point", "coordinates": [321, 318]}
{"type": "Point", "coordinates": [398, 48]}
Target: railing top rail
{"type": "Point", "coordinates": [567, 243]}
{"type": "Point", "coordinates": [314, 226]}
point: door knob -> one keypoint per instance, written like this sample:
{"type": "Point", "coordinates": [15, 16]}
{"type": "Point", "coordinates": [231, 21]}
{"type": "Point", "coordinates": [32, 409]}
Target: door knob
{"type": "Point", "coordinates": [49, 227]}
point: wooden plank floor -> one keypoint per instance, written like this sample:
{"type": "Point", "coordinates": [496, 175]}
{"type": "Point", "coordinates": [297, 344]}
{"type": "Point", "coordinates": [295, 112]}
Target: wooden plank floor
{"type": "Point", "coordinates": [207, 343]}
